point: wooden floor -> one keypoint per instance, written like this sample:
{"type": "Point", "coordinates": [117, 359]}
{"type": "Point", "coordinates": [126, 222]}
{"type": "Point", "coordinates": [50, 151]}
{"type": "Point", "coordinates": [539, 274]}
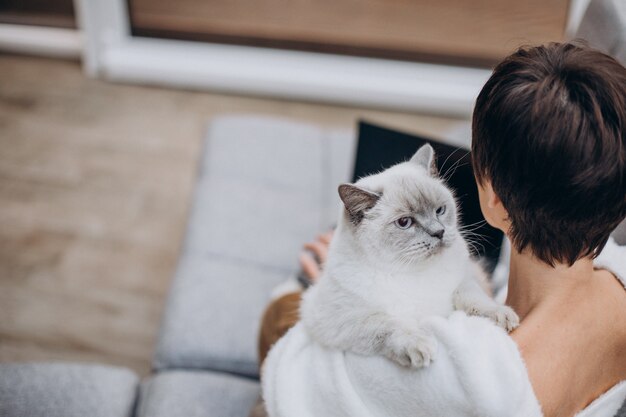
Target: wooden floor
{"type": "Point", "coordinates": [95, 182]}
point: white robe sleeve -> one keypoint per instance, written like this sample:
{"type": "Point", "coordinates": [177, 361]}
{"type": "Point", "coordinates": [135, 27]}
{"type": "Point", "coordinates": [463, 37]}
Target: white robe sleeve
{"type": "Point", "coordinates": [478, 371]}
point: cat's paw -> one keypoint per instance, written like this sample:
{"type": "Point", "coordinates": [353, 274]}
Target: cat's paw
{"type": "Point", "coordinates": [411, 349]}
{"type": "Point", "coordinates": [503, 316]}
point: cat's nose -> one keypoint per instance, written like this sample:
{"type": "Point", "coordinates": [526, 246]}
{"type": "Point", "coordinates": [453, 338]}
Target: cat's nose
{"type": "Point", "coordinates": [438, 232]}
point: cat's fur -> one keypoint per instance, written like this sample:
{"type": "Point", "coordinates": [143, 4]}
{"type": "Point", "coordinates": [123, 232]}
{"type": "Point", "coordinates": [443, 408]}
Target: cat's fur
{"type": "Point", "coordinates": [380, 280]}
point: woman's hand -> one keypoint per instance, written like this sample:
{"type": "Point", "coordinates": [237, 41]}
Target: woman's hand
{"type": "Point", "coordinates": [314, 256]}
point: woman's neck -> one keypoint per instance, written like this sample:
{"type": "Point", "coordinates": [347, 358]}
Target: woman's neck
{"type": "Point", "coordinates": [533, 283]}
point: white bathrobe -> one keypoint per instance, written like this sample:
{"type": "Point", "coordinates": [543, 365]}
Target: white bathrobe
{"type": "Point", "coordinates": [478, 372]}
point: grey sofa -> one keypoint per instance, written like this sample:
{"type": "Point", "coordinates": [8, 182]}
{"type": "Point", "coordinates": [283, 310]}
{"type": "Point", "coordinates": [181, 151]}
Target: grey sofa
{"type": "Point", "coordinates": [264, 187]}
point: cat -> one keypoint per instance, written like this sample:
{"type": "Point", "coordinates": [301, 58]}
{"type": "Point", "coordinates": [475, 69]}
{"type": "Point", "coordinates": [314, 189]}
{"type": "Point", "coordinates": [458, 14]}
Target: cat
{"type": "Point", "coordinates": [397, 256]}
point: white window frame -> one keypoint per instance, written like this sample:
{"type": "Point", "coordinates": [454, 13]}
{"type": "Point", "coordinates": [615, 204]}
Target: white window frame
{"type": "Point", "coordinates": [40, 40]}
{"type": "Point", "coordinates": [112, 53]}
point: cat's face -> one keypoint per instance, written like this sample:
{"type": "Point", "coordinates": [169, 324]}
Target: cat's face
{"type": "Point", "coordinates": [403, 215]}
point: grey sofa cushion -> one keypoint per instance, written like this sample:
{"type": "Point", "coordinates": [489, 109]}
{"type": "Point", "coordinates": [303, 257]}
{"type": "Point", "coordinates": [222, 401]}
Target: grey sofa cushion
{"type": "Point", "coordinates": [197, 394]}
{"type": "Point", "coordinates": [213, 315]}
{"type": "Point", "coordinates": [265, 187]}
{"type": "Point", "coordinates": [620, 53]}
{"type": "Point", "coordinates": [620, 233]}
{"type": "Point", "coordinates": [66, 390]}
{"type": "Point", "coordinates": [604, 27]}
{"type": "Point", "coordinates": [262, 177]}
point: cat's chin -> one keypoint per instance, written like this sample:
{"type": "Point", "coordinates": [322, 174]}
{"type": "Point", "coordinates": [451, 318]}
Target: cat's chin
{"type": "Point", "coordinates": [435, 251]}
{"type": "Point", "coordinates": [427, 255]}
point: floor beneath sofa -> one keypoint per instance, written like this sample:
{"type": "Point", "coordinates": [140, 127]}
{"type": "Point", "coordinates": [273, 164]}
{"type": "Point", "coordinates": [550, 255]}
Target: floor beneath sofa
{"type": "Point", "coordinates": [95, 181]}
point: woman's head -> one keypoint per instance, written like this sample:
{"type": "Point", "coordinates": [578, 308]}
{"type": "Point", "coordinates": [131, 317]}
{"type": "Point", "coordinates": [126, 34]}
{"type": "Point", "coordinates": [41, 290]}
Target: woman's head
{"type": "Point", "coordinates": [549, 149]}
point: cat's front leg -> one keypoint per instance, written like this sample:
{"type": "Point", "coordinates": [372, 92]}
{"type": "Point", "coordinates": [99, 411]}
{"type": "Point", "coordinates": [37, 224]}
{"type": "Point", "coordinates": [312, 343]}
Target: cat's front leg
{"type": "Point", "coordinates": [409, 347]}
{"type": "Point", "coordinates": [472, 299]}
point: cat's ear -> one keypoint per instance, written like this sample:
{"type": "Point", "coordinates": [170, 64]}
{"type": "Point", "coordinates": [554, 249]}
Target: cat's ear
{"type": "Point", "coordinates": [357, 200]}
{"type": "Point", "coordinates": [425, 157]}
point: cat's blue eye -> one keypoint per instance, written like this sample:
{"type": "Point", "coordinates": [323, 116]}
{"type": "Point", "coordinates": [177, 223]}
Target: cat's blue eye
{"type": "Point", "coordinates": [440, 210]}
{"type": "Point", "coordinates": [404, 222]}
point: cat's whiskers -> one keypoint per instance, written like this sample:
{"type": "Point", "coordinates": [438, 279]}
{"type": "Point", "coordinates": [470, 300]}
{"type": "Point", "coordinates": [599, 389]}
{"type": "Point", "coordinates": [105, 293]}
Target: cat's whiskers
{"type": "Point", "coordinates": [473, 226]}
{"type": "Point", "coordinates": [473, 241]}
{"type": "Point", "coordinates": [414, 251]}
{"type": "Point", "coordinates": [468, 234]}
{"type": "Point", "coordinates": [449, 156]}
{"type": "Point", "coordinates": [452, 169]}
{"type": "Point", "coordinates": [472, 234]}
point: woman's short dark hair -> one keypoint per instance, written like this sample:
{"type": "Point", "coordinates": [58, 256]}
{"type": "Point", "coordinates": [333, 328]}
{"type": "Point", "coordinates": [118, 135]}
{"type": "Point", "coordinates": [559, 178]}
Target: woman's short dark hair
{"type": "Point", "coordinates": [549, 133]}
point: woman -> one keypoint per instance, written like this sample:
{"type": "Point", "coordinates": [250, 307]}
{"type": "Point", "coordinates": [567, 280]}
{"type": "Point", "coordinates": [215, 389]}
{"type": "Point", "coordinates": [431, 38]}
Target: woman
{"type": "Point", "coordinates": [549, 155]}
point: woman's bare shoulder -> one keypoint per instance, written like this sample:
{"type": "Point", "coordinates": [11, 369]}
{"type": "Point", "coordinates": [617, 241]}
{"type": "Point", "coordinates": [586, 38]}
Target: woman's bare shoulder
{"type": "Point", "coordinates": [574, 351]}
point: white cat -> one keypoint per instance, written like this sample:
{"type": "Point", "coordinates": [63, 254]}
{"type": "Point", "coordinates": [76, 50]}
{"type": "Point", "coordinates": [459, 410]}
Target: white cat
{"type": "Point", "coordinates": [396, 257]}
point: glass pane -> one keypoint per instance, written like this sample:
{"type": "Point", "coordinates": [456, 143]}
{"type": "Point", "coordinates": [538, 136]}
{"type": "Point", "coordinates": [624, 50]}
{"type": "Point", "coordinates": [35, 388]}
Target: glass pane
{"type": "Point", "coordinates": [56, 13]}
{"type": "Point", "coordinates": [460, 31]}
